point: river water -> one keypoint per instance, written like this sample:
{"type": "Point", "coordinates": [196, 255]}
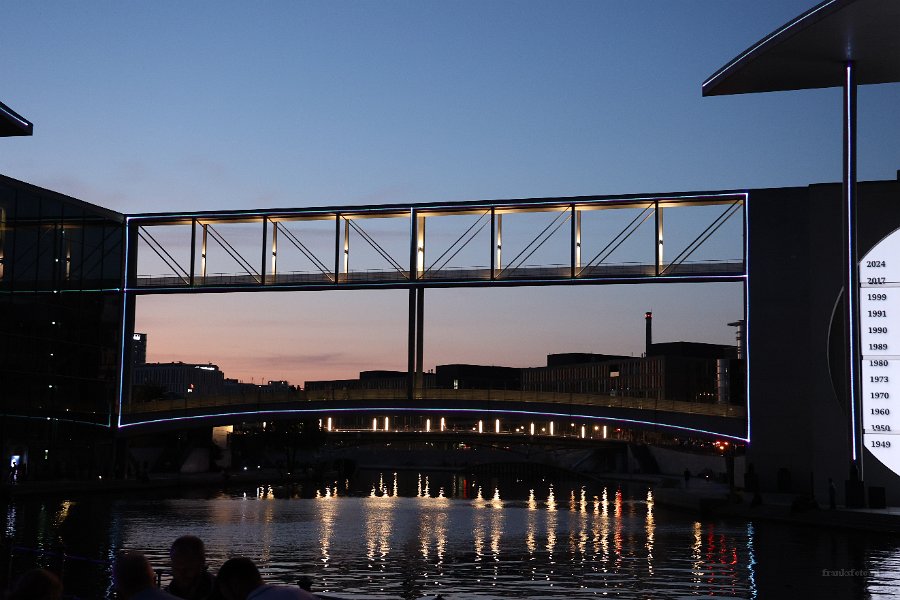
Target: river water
{"type": "Point", "coordinates": [411, 535]}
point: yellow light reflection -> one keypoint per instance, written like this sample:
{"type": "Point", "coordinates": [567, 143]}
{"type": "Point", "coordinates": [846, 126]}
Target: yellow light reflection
{"type": "Point", "coordinates": [582, 524]}
{"type": "Point", "coordinates": [651, 531]}
{"type": "Point", "coordinates": [327, 513]}
{"type": "Point", "coordinates": [617, 533]}
{"type": "Point", "coordinates": [697, 553]}
{"type": "Point", "coordinates": [62, 513]}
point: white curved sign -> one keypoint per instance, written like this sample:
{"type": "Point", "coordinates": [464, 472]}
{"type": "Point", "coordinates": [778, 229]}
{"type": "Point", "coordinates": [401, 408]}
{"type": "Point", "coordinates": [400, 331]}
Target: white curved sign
{"type": "Point", "coordinates": [879, 323]}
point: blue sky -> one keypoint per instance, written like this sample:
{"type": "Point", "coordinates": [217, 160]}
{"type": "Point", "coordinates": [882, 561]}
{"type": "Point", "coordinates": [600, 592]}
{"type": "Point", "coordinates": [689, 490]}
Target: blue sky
{"type": "Point", "coordinates": [169, 105]}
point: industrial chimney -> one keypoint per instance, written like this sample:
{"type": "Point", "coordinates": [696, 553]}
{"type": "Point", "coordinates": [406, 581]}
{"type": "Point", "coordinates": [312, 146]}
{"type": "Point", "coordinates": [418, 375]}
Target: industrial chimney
{"type": "Point", "coordinates": [648, 318]}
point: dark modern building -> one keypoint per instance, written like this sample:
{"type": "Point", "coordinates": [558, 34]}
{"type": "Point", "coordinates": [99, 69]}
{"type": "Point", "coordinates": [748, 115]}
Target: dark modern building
{"type": "Point", "coordinates": [368, 380]}
{"type": "Point", "coordinates": [682, 371]}
{"type": "Point", "coordinates": [180, 380]}
{"type": "Point", "coordinates": [477, 377]}
{"type": "Point", "coordinates": [61, 272]}
{"type": "Point", "coordinates": [138, 349]}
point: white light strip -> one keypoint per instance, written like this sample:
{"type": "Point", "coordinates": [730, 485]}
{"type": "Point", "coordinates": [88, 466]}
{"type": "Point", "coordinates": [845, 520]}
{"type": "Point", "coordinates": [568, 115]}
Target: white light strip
{"type": "Point", "coordinates": [767, 39]}
{"type": "Point", "coordinates": [852, 267]}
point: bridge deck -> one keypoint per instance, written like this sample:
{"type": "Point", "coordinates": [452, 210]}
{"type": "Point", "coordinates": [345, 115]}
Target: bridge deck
{"type": "Point", "coordinates": [432, 400]}
{"type": "Point", "coordinates": [478, 275]}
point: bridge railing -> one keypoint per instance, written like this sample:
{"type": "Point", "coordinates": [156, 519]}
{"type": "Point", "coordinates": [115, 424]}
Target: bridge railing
{"type": "Point", "coordinates": [573, 400]}
{"type": "Point", "coordinates": [458, 274]}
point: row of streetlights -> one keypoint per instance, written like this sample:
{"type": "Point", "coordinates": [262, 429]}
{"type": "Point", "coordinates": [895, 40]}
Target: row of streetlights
{"type": "Point", "coordinates": [384, 424]}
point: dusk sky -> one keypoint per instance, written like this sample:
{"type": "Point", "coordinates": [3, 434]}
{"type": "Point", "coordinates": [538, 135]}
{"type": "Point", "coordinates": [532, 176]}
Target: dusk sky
{"type": "Point", "coordinates": [144, 107]}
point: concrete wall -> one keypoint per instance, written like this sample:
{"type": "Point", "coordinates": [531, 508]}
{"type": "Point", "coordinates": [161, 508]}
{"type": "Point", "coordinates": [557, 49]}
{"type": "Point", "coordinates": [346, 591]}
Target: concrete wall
{"type": "Point", "coordinates": [799, 415]}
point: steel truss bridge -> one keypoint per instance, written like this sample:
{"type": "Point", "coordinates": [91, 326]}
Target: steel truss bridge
{"type": "Point", "coordinates": [205, 236]}
{"type": "Point", "coordinates": [260, 270]}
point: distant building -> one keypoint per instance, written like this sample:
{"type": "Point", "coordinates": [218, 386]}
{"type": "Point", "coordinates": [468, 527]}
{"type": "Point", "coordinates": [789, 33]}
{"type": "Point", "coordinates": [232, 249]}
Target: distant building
{"type": "Point", "coordinates": [478, 377]}
{"type": "Point", "coordinates": [683, 371]}
{"type": "Point", "coordinates": [180, 379]}
{"type": "Point", "coordinates": [138, 349]}
{"type": "Point", "coordinates": [369, 380]}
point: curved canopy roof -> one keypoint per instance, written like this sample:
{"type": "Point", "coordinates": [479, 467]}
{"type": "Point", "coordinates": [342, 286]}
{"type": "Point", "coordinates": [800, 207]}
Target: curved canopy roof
{"type": "Point", "coordinates": [12, 123]}
{"type": "Point", "coordinates": [810, 51]}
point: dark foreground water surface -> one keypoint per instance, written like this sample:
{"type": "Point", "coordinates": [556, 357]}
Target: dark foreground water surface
{"type": "Point", "coordinates": [410, 535]}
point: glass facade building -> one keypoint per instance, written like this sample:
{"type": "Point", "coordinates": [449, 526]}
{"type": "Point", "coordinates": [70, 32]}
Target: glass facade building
{"type": "Point", "coordinates": [60, 281]}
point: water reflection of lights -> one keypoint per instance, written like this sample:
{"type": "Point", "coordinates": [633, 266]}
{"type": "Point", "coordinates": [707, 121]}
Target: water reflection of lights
{"type": "Point", "coordinates": [601, 529]}
{"type": "Point", "coordinates": [697, 553]}
{"type": "Point", "coordinates": [617, 534]}
{"type": "Point", "coordinates": [62, 513]}
{"type": "Point", "coordinates": [379, 525]}
{"type": "Point", "coordinates": [582, 524]}
{"type": "Point", "coordinates": [651, 532]}
{"type": "Point", "coordinates": [423, 487]}
{"type": "Point", "coordinates": [11, 520]}
{"type": "Point", "coordinates": [327, 513]}
{"type": "Point", "coordinates": [552, 518]}
{"type": "Point", "coordinates": [751, 561]}
{"type": "Point", "coordinates": [496, 502]}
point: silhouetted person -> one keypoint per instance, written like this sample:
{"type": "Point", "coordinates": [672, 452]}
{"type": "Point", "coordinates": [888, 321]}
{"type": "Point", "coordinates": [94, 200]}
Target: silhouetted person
{"type": "Point", "coordinates": [239, 579]}
{"type": "Point", "coordinates": [36, 584]}
{"type": "Point", "coordinates": [832, 494]}
{"type": "Point", "coordinates": [190, 579]}
{"type": "Point", "coordinates": [134, 579]}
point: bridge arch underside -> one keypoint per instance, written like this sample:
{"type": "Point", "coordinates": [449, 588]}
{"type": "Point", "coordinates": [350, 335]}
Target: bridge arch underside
{"type": "Point", "coordinates": [516, 418]}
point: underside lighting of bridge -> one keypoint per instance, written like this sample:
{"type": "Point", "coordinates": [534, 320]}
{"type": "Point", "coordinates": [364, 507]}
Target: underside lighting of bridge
{"type": "Point", "coordinates": [375, 424]}
{"type": "Point", "coordinates": [532, 429]}
{"type": "Point", "coordinates": [427, 425]}
{"type": "Point", "coordinates": [443, 424]}
{"type": "Point", "coordinates": [328, 426]}
{"type": "Point", "coordinates": [497, 426]}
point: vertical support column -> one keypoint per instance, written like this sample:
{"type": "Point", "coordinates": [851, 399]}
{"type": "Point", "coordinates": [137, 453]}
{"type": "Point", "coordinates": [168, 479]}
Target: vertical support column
{"type": "Point", "coordinates": [659, 238]}
{"type": "Point", "coordinates": [262, 260]}
{"type": "Point", "coordinates": [411, 327]}
{"type": "Point", "coordinates": [2, 241]}
{"type": "Point", "coordinates": [411, 346]}
{"type": "Point", "coordinates": [851, 271]}
{"type": "Point", "coordinates": [193, 251]}
{"type": "Point", "coordinates": [203, 256]}
{"type": "Point", "coordinates": [337, 247]}
{"type": "Point", "coordinates": [274, 251]}
{"type": "Point", "coordinates": [420, 247]}
{"type": "Point", "coordinates": [576, 241]}
{"type": "Point", "coordinates": [420, 342]}
{"type": "Point", "coordinates": [498, 247]}
{"type": "Point", "coordinates": [346, 248]}
{"type": "Point", "coordinates": [493, 240]}
{"type": "Point", "coordinates": [129, 279]}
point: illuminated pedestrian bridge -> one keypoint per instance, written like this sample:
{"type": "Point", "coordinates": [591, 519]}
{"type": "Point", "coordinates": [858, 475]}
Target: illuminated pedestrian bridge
{"type": "Point", "coordinates": [441, 410]}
